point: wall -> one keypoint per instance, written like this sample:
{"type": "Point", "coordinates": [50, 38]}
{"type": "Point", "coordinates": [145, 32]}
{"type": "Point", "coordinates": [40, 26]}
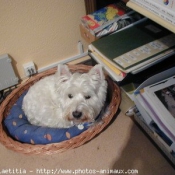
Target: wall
{"type": "Point", "coordinates": [43, 31]}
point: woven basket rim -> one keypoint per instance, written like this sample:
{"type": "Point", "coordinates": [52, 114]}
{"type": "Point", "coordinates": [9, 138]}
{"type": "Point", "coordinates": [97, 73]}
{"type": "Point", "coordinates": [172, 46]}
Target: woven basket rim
{"type": "Point", "coordinates": [52, 148]}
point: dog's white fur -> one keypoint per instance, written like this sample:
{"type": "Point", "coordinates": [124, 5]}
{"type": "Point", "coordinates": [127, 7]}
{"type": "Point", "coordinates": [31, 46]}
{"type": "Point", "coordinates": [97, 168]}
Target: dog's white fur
{"type": "Point", "coordinates": [65, 99]}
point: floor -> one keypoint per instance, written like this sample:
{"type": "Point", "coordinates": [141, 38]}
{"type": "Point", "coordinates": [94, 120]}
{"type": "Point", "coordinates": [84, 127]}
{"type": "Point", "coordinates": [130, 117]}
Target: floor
{"type": "Point", "coordinates": [121, 148]}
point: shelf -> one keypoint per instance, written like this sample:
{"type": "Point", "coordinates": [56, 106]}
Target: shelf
{"type": "Point", "coordinates": [151, 16]}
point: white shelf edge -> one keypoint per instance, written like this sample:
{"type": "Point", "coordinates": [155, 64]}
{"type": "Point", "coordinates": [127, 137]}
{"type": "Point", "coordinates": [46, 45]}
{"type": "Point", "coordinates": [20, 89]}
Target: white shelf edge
{"type": "Point", "coordinates": [151, 16]}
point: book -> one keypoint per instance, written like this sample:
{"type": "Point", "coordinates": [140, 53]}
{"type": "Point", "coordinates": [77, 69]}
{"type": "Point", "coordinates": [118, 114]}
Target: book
{"type": "Point", "coordinates": [158, 100]}
{"type": "Point", "coordinates": [147, 121]}
{"type": "Point", "coordinates": [140, 105]}
{"type": "Point", "coordinates": [104, 17]}
{"type": "Point", "coordinates": [134, 82]}
{"type": "Point", "coordinates": [144, 11]}
{"type": "Point", "coordinates": [157, 9]}
{"type": "Point", "coordinates": [166, 8]}
{"type": "Point", "coordinates": [161, 5]}
{"type": "Point", "coordinates": [135, 47]}
{"type": "Point", "coordinates": [156, 134]}
{"type": "Point", "coordinates": [170, 4]}
{"type": "Point", "coordinates": [167, 150]}
{"type": "Point", "coordinates": [114, 73]}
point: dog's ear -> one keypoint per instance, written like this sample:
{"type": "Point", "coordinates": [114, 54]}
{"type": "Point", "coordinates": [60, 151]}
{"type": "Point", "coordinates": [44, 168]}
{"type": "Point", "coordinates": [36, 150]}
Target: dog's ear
{"type": "Point", "coordinates": [63, 70]}
{"type": "Point", "coordinates": [97, 72]}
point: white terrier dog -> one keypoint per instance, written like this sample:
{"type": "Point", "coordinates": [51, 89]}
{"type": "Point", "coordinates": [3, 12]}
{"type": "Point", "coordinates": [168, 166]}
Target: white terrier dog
{"type": "Point", "coordinates": [65, 99]}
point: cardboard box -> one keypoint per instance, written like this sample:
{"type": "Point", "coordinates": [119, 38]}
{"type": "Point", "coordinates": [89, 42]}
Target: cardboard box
{"type": "Point", "coordinates": [87, 35]}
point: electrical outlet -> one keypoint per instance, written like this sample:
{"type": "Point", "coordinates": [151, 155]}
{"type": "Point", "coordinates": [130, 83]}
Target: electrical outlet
{"type": "Point", "coordinates": [29, 69]}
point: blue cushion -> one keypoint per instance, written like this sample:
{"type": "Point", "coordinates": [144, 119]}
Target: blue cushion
{"type": "Point", "coordinates": [20, 129]}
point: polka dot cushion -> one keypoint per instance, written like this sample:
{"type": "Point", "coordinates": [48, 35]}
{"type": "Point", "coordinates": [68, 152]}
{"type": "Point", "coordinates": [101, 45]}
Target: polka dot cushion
{"type": "Point", "coordinates": [20, 129]}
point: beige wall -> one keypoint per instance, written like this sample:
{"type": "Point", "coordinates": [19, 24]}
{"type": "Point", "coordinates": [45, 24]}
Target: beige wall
{"type": "Point", "coordinates": [43, 31]}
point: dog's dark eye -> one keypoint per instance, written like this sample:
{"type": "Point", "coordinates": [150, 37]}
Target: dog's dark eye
{"type": "Point", "coordinates": [87, 97]}
{"type": "Point", "coordinates": [70, 95]}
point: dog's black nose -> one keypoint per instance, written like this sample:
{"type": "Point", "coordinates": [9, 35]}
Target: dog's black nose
{"type": "Point", "coordinates": [77, 114]}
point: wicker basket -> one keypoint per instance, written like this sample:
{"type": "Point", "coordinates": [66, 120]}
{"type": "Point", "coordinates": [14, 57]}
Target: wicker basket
{"type": "Point", "coordinates": [74, 142]}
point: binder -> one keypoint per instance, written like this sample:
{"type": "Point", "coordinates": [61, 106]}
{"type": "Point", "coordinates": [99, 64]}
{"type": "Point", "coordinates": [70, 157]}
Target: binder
{"type": "Point", "coordinates": [136, 47]}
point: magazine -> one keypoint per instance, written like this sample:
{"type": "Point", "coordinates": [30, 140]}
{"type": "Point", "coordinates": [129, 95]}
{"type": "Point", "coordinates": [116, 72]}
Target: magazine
{"type": "Point", "coordinates": [159, 101]}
